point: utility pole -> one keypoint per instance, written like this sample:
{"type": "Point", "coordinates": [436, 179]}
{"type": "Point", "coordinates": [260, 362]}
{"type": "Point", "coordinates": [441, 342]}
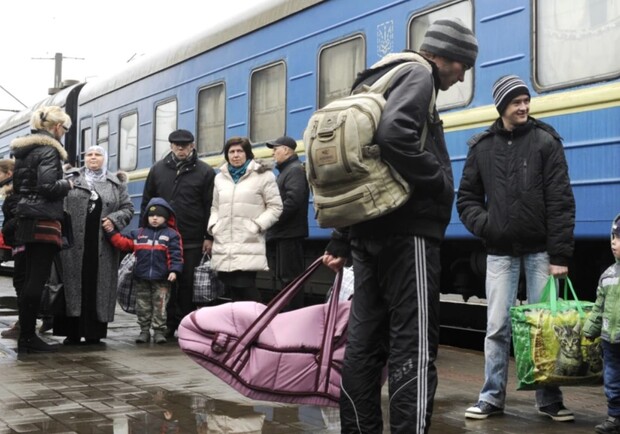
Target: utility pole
{"type": "Point", "coordinates": [58, 58]}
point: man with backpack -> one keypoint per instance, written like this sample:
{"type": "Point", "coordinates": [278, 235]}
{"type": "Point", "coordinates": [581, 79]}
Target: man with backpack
{"type": "Point", "coordinates": [395, 312]}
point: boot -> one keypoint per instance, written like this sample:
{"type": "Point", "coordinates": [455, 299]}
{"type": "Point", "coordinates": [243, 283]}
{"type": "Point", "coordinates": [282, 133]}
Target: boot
{"type": "Point", "coordinates": [34, 344]}
{"type": "Point", "coordinates": [144, 337]}
{"type": "Point", "coordinates": [47, 324]}
{"type": "Point", "coordinates": [159, 338]}
{"type": "Point", "coordinates": [611, 425]}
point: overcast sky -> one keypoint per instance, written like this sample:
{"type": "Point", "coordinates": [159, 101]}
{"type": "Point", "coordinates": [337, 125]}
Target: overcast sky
{"type": "Point", "coordinates": [96, 38]}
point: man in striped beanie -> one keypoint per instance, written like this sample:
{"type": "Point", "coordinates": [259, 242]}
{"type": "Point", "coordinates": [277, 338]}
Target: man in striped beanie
{"type": "Point", "coordinates": [515, 195]}
{"type": "Point", "coordinates": [450, 39]}
{"type": "Point", "coordinates": [506, 89]}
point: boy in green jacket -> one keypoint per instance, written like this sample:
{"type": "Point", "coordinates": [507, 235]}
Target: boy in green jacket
{"type": "Point", "coordinates": [604, 321]}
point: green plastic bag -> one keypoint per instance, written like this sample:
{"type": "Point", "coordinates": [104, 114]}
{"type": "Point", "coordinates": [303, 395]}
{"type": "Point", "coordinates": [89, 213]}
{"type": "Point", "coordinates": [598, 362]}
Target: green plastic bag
{"type": "Point", "coordinates": [549, 347]}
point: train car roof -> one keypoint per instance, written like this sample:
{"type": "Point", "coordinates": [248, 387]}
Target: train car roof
{"type": "Point", "coordinates": [21, 118]}
{"type": "Point", "coordinates": [263, 14]}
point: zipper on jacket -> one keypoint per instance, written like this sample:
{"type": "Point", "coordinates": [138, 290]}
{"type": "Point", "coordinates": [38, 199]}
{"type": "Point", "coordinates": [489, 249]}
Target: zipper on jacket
{"type": "Point", "coordinates": [524, 183]}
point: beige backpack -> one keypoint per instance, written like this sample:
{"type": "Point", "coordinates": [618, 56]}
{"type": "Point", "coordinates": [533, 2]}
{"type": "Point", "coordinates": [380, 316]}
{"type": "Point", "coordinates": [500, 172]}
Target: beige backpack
{"type": "Point", "coordinates": [349, 180]}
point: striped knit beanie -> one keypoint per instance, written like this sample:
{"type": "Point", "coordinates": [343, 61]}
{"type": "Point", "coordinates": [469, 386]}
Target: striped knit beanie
{"type": "Point", "coordinates": [506, 89]}
{"type": "Point", "coordinates": [450, 38]}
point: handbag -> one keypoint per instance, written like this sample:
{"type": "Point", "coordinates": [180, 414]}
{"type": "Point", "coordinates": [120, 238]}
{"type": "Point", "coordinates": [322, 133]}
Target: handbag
{"type": "Point", "coordinates": [292, 357]}
{"type": "Point", "coordinates": [549, 346]}
{"type": "Point", "coordinates": [207, 287]}
{"type": "Point", "coordinates": [53, 295]}
{"type": "Point", "coordinates": [126, 295]}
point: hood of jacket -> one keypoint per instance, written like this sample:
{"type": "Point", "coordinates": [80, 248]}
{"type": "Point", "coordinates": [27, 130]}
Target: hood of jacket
{"type": "Point", "coordinates": [21, 146]}
{"type": "Point", "coordinates": [171, 222]}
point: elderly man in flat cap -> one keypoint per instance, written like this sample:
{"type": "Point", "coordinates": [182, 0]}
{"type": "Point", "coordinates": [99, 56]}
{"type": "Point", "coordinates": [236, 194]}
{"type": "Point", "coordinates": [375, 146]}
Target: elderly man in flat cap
{"type": "Point", "coordinates": [186, 183]}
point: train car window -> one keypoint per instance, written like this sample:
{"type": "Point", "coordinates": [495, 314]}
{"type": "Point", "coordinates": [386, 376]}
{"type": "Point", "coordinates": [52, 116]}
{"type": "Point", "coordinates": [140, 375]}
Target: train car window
{"type": "Point", "coordinates": [339, 64]}
{"type": "Point", "coordinates": [268, 103]}
{"type": "Point", "coordinates": [459, 94]}
{"type": "Point", "coordinates": [128, 142]}
{"type": "Point", "coordinates": [165, 123]}
{"type": "Point", "coordinates": [87, 141]}
{"type": "Point", "coordinates": [211, 118]}
{"type": "Point", "coordinates": [574, 41]}
{"type": "Point", "coordinates": [103, 136]}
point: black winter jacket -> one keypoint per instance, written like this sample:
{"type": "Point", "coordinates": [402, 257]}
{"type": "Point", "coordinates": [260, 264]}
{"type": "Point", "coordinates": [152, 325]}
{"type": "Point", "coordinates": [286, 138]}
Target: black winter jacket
{"type": "Point", "coordinates": [38, 176]}
{"type": "Point", "coordinates": [515, 192]}
{"type": "Point", "coordinates": [428, 171]}
{"type": "Point", "coordinates": [188, 190]}
{"type": "Point", "coordinates": [293, 186]}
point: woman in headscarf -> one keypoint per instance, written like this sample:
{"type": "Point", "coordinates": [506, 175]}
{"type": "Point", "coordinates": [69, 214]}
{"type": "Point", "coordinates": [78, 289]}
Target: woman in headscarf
{"type": "Point", "coordinates": [246, 202]}
{"type": "Point", "coordinates": [89, 268]}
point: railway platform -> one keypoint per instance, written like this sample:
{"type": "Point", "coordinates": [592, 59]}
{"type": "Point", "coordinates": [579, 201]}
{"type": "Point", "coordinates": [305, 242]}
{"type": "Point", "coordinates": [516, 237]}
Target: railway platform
{"type": "Point", "coordinates": [120, 387]}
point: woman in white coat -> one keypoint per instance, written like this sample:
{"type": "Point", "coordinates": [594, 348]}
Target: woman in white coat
{"type": "Point", "coordinates": [246, 202]}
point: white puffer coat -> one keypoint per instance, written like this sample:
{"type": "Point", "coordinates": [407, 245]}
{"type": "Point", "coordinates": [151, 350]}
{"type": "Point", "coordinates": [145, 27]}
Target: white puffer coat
{"type": "Point", "coordinates": [240, 215]}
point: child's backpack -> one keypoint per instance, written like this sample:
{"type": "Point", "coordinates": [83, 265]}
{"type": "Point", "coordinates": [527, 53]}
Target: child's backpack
{"type": "Point", "coordinates": [349, 180]}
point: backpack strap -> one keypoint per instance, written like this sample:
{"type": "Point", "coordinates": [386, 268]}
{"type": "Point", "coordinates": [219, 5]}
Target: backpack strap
{"type": "Point", "coordinates": [384, 82]}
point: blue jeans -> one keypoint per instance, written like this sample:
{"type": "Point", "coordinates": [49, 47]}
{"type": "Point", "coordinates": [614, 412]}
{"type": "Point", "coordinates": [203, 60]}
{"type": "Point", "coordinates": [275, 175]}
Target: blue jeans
{"type": "Point", "coordinates": [501, 288]}
{"type": "Point", "coordinates": [611, 375]}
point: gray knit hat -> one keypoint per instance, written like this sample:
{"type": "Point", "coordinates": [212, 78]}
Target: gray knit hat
{"type": "Point", "coordinates": [450, 38]}
{"type": "Point", "coordinates": [506, 89]}
{"type": "Point", "coordinates": [615, 226]}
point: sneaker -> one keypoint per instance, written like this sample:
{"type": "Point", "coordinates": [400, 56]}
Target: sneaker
{"type": "Point", "coordinates": [611, 425]}
{"type": "Point", "coordinates": [12, 333]}
{"type": "Point", "coordinates": [482, 410]}
{"type": "Point", "coordinates": [557, 412]}
{"type": "Point", "coordinates": [159, 338]}
{"type": "Point", "coordinates": [143, 338]}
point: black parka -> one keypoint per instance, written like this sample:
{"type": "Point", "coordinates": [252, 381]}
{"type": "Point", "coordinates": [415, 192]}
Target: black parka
{"type": "Point", "coordinates": [38, 176]}
{"type": "Point", "coordinates": [293, 186]}
{"type": "Point", "coordinates": [188, 190]}
{"type": "Point", "coordinates": [515, 192]}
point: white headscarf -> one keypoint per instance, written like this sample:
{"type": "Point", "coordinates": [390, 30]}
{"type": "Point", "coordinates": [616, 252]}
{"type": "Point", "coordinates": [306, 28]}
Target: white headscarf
{"type": "Point", "coordinates": [99, 174]}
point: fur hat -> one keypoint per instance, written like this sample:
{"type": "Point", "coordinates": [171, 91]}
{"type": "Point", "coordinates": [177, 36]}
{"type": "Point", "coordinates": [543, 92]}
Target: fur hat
{"type": "Point", "coordinates": [450, 38]}
{"type": "Point", "coordinates": [506, 89]}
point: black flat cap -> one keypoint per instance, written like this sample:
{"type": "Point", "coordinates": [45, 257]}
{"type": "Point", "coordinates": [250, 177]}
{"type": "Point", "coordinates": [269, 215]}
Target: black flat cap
{"type": "Point", "coordinates": [181, 136]}
{"type": "Point", "coordinates": [283, 141]}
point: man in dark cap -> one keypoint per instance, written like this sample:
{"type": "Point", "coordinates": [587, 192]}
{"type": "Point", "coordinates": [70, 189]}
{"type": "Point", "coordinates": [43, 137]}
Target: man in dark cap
{"type": "Point", "coordinates": [186, 183]}
{"type": "Point", "coordinates": [396, 264]}
{"type": "Point", "coordinates": [515, 195]}
{"type": "Point", "coordinates": [285, 239]}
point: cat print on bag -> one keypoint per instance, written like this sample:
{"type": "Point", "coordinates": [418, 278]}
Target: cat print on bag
{"type": "Point", "coordinates": [569, 360]}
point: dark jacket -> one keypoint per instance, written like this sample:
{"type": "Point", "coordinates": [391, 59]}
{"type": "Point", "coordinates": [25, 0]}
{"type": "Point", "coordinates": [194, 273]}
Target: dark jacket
{"type": "Point", "coordinates": [38, 177]}
{"type": "Point", "coordinates": [9, 210]}
{"type": "Point", "coordinates": [515, 193]}
{"type": "Point", "coordinates": [188, 189]}
{"type": "Point", "coordinates": [159, 251]}
{"type": "Point", "coordinates": [294, 191]}
{"type": "Point", "coordinates": [428, 171]}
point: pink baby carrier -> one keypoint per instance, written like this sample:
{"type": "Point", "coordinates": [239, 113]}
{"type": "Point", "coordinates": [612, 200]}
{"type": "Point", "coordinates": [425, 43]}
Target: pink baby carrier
{"type": "Point", "coordinates": [293, 357]}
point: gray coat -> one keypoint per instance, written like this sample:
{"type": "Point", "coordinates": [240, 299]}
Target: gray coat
{"type": "Point", "coordinates": [117, 206]}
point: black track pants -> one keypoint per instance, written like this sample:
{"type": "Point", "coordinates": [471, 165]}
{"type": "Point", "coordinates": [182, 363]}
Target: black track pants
{"type": "Point", "coordinates": [394, 318]}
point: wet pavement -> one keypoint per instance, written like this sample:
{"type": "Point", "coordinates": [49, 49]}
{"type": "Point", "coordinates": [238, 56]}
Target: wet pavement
{"type": "Point", "coordinates": [121, 387]}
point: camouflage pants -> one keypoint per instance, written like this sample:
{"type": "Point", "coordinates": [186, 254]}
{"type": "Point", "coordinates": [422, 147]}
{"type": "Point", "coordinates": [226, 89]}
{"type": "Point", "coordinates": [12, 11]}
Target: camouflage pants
{"type": "Point", "coordinates": [151, 301]}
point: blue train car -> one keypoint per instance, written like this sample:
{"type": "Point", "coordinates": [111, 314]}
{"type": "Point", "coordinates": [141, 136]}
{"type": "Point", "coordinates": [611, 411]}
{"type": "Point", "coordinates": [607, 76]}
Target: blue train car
{"type": "Point", "coordinates": [263, 74]}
